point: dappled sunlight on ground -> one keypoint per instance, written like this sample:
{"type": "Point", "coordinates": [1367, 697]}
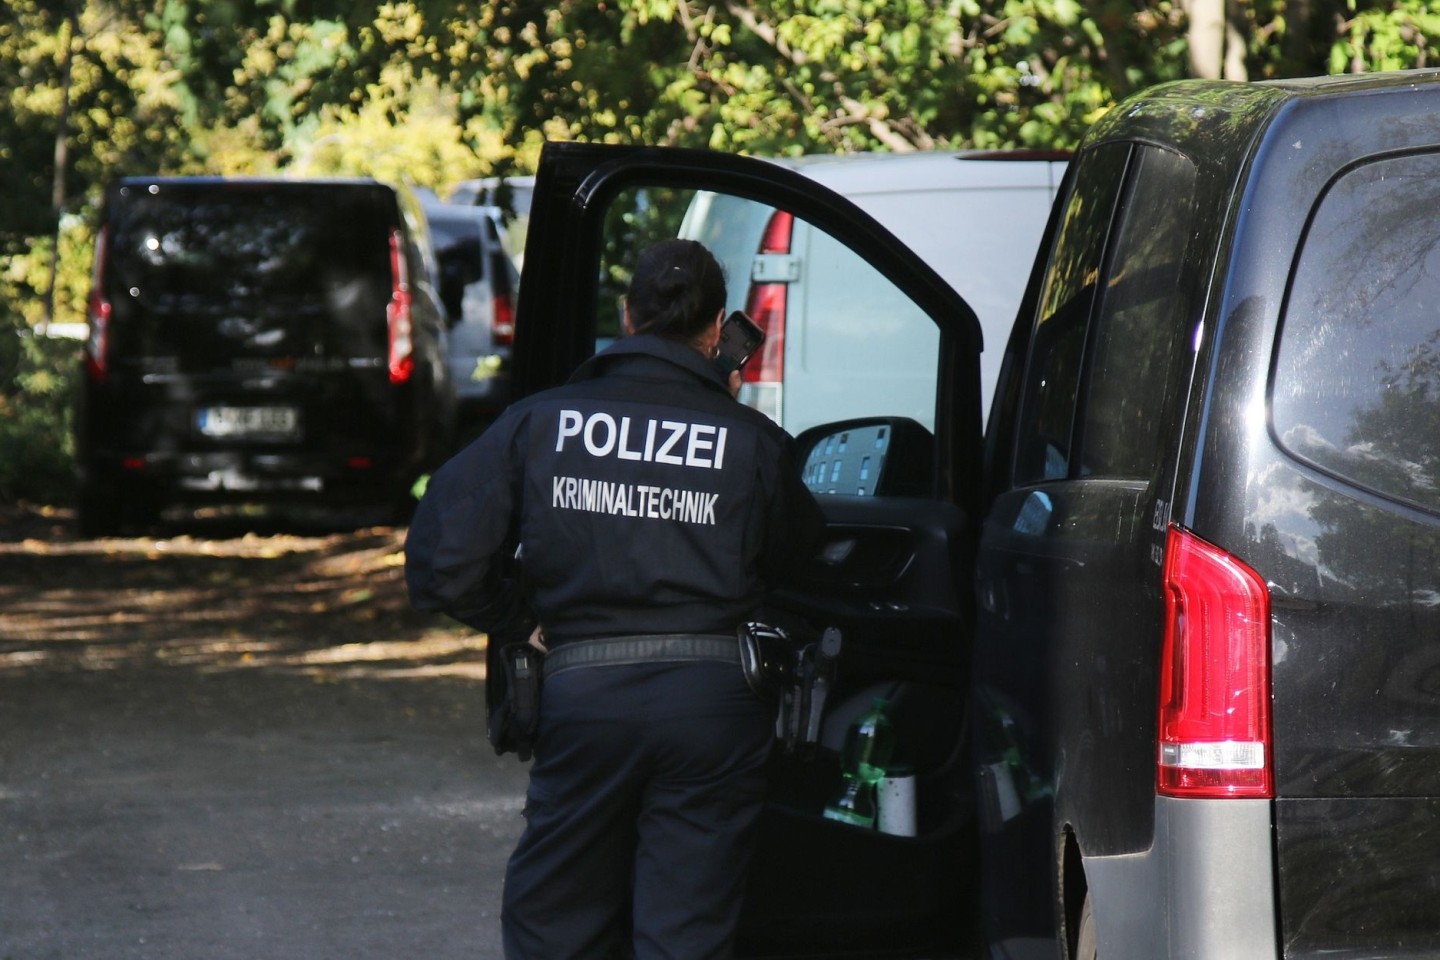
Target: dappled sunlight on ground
{"type": "Point", "coordinates": [327, 605]}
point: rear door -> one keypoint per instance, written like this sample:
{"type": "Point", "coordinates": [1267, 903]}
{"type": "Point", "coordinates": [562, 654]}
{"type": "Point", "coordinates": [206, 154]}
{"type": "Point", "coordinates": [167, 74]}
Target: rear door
{"type": "Point", "coordinates": [894, 573]}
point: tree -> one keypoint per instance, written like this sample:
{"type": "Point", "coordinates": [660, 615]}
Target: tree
{"type": "Point", "coordinates": [440, 90]}
{"type": "Point", "coordinates": [796, 76]}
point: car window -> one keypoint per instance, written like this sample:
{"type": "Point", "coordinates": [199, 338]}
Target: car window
{"type": "Point", "coordinates": [458, 254]}
{"type": "Point", "coordinates": [203, 269]}
{"type": "Point", "coordinates": [635, 219]}
{"type": "Point", "coordinates": [1140, 321]}
{"type": "Point", "coordinates": [1052, 378]}
{"type": "Point", "coordinates": [854, 345]}
{"type": "Point", "coordinates": [1357, 374]}
{"type": "Point", "coordinates": [842, 341]}
{"type": "Point", "coordinates": [257, 243]}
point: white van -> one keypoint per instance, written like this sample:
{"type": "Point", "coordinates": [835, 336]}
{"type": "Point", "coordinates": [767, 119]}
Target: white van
{"type": "Point", "coordinates": [977, 218]}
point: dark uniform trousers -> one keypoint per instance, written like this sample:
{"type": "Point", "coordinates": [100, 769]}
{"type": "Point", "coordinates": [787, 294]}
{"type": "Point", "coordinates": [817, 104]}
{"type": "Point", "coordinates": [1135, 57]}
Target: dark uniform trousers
{"type": "Point", "coordinates": [647, 778]}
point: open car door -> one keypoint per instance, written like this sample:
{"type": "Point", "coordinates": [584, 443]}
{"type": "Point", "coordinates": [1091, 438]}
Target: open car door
{"type": "Point", "coordinates": [861, 329]}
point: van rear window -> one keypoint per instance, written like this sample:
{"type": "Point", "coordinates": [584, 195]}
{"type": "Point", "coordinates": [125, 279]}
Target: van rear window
{"type": "Point", "coordinates": [1357, 376]}
{"type": "Point", "coordinates": [250, 241]}
{"type": "Point", "coordinates": [261, 265]}
{"type": "Point", "coordinates": [459, 253]}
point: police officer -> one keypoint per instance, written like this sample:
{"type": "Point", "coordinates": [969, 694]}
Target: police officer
{"type": "Point", "coordinates": [653, 513]}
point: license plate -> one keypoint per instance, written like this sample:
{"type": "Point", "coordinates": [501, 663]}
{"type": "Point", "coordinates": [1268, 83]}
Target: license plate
{"type": "Point", "coordinates": [248, 421]}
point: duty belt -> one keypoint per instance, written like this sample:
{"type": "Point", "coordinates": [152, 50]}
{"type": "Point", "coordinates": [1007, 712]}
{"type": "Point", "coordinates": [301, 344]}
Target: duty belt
{"type": "Point", "coordinates": [646, 648]}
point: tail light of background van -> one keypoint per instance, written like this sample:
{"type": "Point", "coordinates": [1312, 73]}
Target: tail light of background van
{"type": "Point", "coordinates": [502, 320]}
{"type": "Point", "coordinates": [97, 339]}
{"type": "Point", "coordinates": [397, 313]}
{"type": "Point", "coordinates": [1214, 722]}
{"type": "Point", "coordinates": [763, 377]}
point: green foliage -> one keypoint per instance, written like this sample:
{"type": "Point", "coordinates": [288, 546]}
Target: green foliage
{"type": "Point", "coordinates": [801, 76]}
{"type": "Point", "coordinates": [435, 91]}
{"type": "Point", "coordinates": [36, 398]}
{"type": "Point", "coordinates": [1392, 36]}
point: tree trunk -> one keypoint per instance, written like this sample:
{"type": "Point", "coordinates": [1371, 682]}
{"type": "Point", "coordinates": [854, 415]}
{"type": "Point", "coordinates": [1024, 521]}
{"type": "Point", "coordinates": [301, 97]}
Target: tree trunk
{"type": "Point", "coordinates": [62, 160]}
{"type": "Point", "coordinates": [1217, 50]}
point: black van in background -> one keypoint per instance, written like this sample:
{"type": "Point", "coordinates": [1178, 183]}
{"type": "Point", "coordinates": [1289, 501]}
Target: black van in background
{"type": "Point", "coordinates": [259, 341]}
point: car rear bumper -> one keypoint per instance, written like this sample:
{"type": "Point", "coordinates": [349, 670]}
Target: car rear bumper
{"type": "Point", "coordinates": [1205, 889]}
{"type": "Point", "coordinates": [223, 475]}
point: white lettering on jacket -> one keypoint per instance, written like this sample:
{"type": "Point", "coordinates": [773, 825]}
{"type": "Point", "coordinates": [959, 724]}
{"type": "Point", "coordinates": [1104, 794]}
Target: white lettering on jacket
{"type": "Point", "coordinates": [673, 442]}
{"type": "Point", "coordinates": [633, 500]}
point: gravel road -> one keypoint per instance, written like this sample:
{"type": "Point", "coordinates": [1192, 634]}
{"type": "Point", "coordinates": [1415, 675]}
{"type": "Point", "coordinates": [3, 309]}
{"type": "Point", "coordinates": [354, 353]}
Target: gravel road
{"type": "Point", "coordinates": [229, 744]}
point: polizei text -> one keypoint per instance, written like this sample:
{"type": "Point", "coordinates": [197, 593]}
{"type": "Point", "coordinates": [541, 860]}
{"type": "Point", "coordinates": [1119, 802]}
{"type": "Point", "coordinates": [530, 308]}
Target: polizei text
{"type": "Point", "coordinates": [675, 442]}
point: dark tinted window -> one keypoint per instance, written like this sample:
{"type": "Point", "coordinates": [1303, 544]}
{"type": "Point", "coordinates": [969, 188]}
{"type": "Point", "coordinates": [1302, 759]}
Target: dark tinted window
{"type": "Point", "coordinates": [458, 255]}
{"type": "Point", "coordinates": [1058, 344]}
{"type": "Point", "coordinates": [212, 269]}
{"type": "Point", "coordinates": [1357, 377]}
{"type": "Point", "coordinates": [245, 240]}
{"type": "Point", "coordinates": [1143, 313]}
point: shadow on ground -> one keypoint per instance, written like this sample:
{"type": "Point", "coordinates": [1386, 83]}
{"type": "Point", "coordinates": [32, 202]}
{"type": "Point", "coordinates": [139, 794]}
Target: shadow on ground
{"type": "Point", "coordinates": [235, 742]}
{"type": "Point", "coordinates": [218, 596]}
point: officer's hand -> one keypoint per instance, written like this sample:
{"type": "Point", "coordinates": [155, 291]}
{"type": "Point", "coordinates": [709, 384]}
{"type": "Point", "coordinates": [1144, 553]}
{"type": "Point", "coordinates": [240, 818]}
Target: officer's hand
{"type": "Point", "coordinates": [537, 640]}
{"type": "Point", "coordinates": [735, 383]}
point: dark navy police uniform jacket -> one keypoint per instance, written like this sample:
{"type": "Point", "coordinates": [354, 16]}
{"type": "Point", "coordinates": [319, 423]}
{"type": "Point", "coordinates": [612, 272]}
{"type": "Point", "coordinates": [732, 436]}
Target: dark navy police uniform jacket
{"type": "Point", "coordinates": [647, 499]}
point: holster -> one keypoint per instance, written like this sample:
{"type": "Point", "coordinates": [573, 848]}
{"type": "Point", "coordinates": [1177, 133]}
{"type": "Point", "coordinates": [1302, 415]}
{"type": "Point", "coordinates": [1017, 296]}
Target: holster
{"type": "Point", "coordinates": [512, 698]}
{"type": "Point", "coordinates": [767, 658]}
{"type": "Point", "coordinates": [796, 677]}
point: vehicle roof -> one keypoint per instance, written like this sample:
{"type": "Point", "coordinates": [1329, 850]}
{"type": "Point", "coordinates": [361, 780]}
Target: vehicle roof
{"type": "Point", "coordinates": [253, 181]}
{"type": "Point", "coordinates": [461, 211]}
{"type": "Point", "coordinates": [1216, 121]}
{"type": "Point", "coordinates": [856, 174]}
{"type": "Point", "coordinates": [520, 187]}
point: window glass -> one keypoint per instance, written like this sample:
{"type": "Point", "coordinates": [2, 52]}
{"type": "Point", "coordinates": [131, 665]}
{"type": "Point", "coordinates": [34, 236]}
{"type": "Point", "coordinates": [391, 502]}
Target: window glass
{"type": "Point", "coordinates": [1058, 341]}
{"type": "Point", "coordinates": [1143, 312]}
{"type": "Point", "coordinates": [458, 253]}
{"type": "Point", "coordinates": [208, 271]}
{"type": "Point", "coordinates": [855, 345]}
{"type": "Point", "coordinates": [1357, 376]}
{"type": "Point", "coordinates": [259, 242]}
{"type": "Point", "coordinates": [842, 341]}
{"type": "Point", "coordinates": [637, 218]}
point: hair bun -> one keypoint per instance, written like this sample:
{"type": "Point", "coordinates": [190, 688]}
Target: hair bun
{"type": "Point", "coordinates": [677, 288]}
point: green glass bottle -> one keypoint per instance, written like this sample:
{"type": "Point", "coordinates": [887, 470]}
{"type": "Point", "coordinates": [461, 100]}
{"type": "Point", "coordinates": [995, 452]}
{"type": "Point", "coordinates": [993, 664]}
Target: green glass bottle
{"type": "Point", "coordinates": [869, 744]}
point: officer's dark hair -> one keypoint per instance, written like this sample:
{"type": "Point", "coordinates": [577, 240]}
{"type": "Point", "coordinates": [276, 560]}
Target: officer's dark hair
{"type": "Point", "coordinates": [677, 290]}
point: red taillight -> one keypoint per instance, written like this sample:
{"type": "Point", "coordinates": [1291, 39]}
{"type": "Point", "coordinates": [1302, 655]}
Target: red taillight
{"type": "Point", "coordinates": [1214, 728]}
{"type": "Point", "coordinates": [97, 340]}
{"type": "Point", "coordinates": [766, 305]}
{"type": "Point", "coordinates": [502, 320]}
{"type": "Point", "coordinates": [397, 313]}
{"type": "Point", "coordinates": [776, 238]}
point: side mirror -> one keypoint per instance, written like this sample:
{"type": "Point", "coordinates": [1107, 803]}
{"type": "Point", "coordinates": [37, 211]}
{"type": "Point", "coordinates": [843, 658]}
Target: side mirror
{"type": "Point", "coordinates": [872, 457]}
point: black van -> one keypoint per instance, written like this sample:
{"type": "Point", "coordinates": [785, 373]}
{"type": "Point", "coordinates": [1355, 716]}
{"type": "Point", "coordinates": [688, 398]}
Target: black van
{"type": "Point", "coordinates": [257, 340]}
{"type": "Point", "coordinates": [1164, 649]}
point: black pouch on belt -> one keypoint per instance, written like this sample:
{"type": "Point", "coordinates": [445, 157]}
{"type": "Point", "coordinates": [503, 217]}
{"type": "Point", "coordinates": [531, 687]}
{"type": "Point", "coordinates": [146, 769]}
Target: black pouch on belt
{"type": "Point", "coordinates": [513, 699]}
{"type": "Point", "coordinates": [767, 656]}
